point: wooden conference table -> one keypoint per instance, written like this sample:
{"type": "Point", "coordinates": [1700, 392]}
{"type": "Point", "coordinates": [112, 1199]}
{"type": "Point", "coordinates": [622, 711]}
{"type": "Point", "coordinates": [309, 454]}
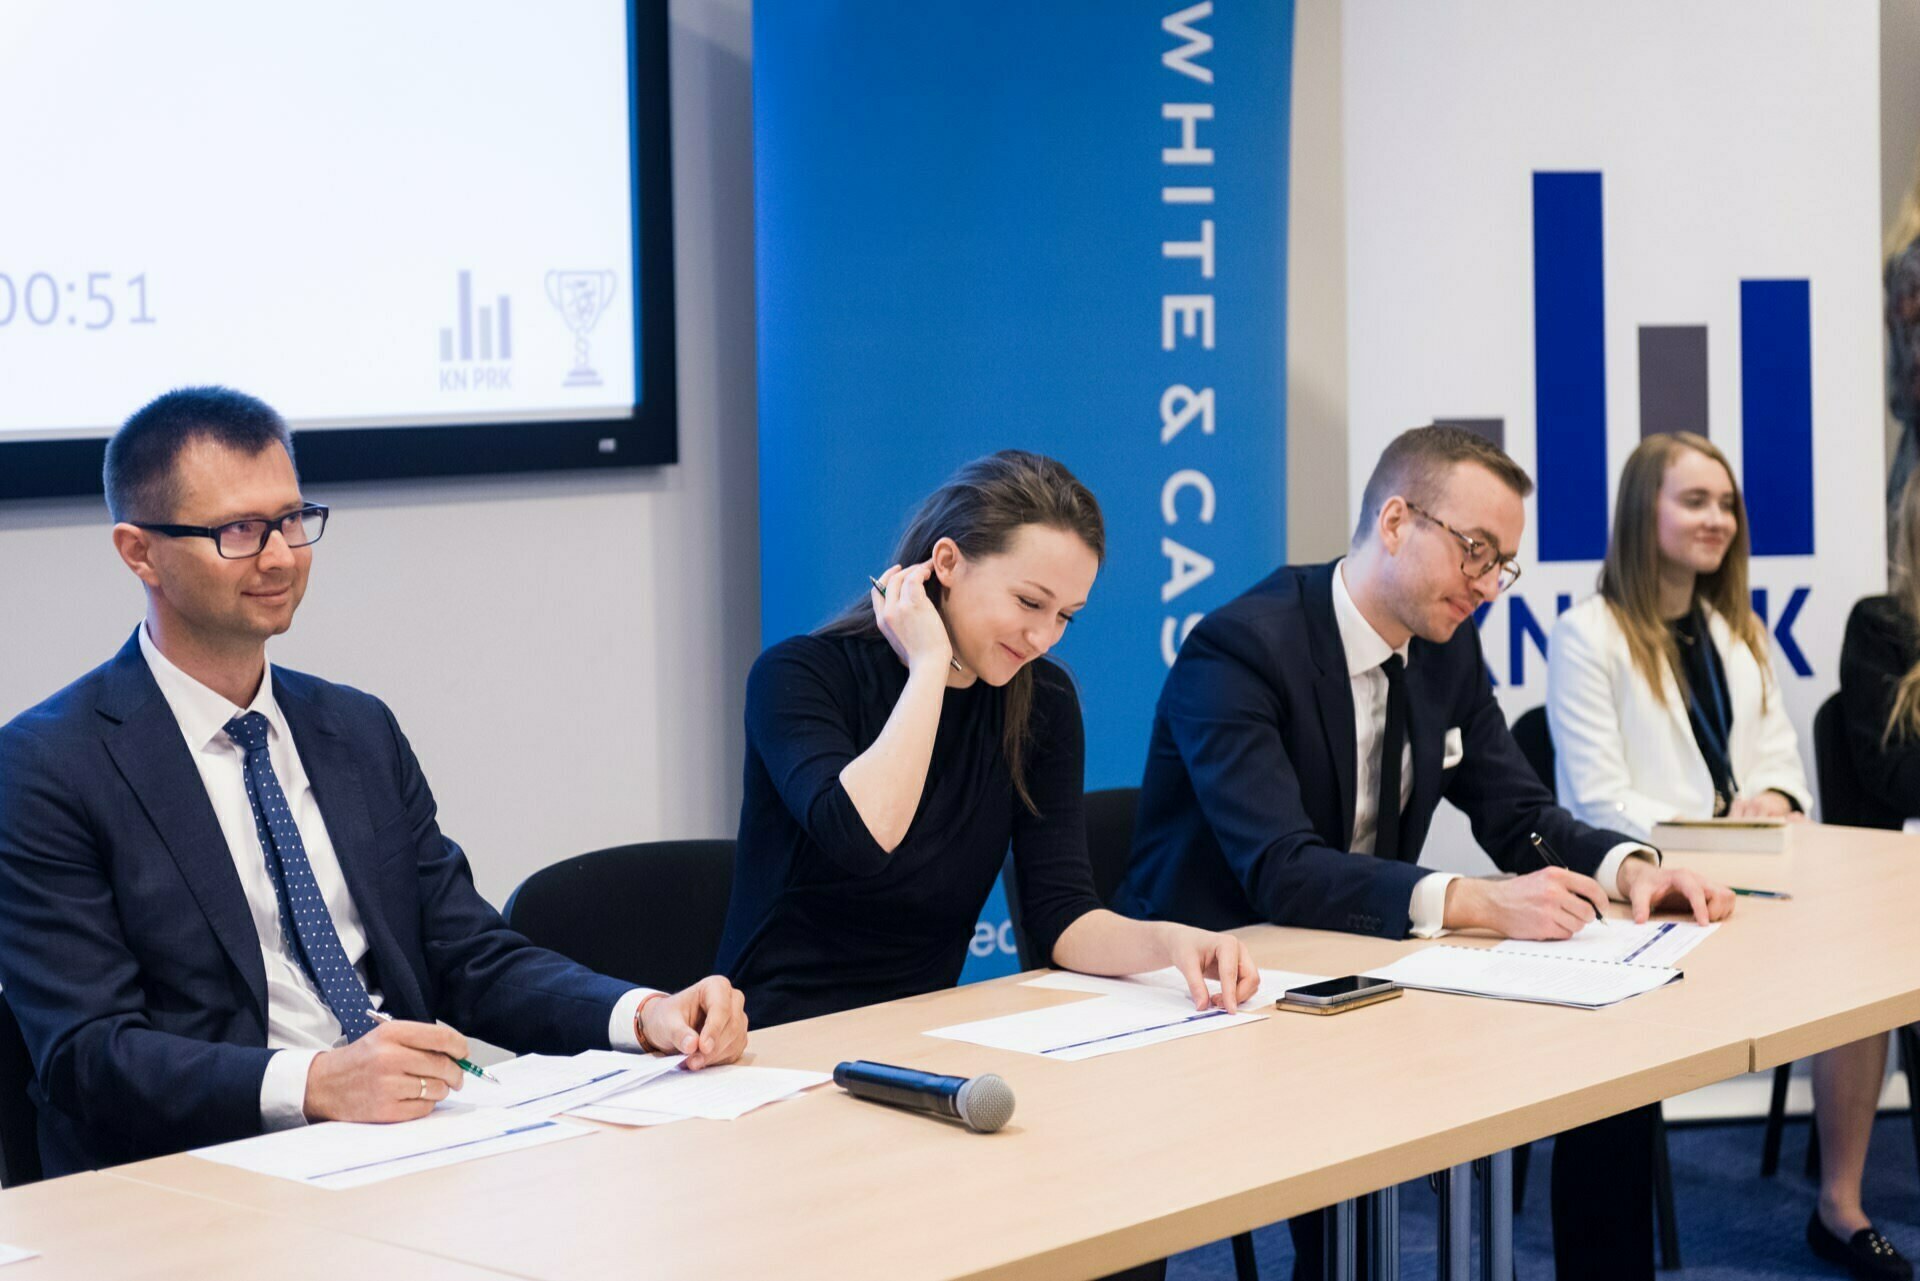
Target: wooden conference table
{"type": "Point", "coordinates": [1108, 1162]}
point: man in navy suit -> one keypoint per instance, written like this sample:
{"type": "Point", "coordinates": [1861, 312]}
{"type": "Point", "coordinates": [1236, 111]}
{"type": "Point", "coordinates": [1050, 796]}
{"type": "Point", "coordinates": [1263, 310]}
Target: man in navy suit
{"type": "Point", "coordinates": [214, 870]}
{"type": "Point", "coordinates": [1328, 696]}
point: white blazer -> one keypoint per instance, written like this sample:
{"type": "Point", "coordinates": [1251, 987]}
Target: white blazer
{"type": "Point", "coordinates": [1625, 760]}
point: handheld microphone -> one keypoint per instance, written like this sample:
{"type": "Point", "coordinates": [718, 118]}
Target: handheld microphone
{"type": "Point", "coordinates": [984, 1103]}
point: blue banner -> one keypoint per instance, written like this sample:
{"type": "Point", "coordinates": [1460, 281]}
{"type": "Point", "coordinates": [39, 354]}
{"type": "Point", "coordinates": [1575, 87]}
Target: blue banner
{"type": "Point", "coordinates": [1057, 227]}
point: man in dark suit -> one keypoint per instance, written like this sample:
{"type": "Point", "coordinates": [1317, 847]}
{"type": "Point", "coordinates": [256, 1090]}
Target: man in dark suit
{"type": "Point", "coordinates": [213, 870]}
{"type": "Point", "coordinates": [1329, 696]}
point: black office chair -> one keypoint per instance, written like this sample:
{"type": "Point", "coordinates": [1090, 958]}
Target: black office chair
{"type": "Point", "coordinates": [1844, 801]}
{"type": "Point", "coordinates": [649, 914]}
{"type": "Point", "coordinates": [19, 1132]}
{"type": "Point", "coordinates": [1535, 738]}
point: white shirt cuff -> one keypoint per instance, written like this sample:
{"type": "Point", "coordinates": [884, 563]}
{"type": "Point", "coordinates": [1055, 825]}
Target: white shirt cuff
{"type": "Point", "coordinates": [283, 1090]}
{"type": "Point", "coordinates": [1427, 912]}
{"type": "Point", "coordinates": [1609, 873]}
{"type": "Point", "coordinates": [621, 1034]}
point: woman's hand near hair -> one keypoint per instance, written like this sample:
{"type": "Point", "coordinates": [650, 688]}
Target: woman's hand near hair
{"type": "Point", "coordinates": [1768, 804]}
{"type": "Point", "coordinates": [1103, 942]}
{"type": "Point", "coordinates": [885, 782]}
{"type": "Point", "coordinates": [908, 619]}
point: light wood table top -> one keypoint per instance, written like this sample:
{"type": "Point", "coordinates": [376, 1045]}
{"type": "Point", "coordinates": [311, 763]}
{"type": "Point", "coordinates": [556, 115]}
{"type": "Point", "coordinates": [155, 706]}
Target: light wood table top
{"type": "Point", "coordinates": [1837, 962]}
{"type": "Point", "coordinates": [90, 1226]}
{"type": "Point", "coordinates": [1107, 1163]}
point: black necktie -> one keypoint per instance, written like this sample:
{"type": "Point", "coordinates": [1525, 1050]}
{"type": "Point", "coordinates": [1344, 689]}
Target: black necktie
{"type": "Point", "coordinates": [1386, 815]}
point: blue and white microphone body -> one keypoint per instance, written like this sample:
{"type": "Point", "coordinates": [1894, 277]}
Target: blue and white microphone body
{"type": "Point", "coordinates": [982, 1103]}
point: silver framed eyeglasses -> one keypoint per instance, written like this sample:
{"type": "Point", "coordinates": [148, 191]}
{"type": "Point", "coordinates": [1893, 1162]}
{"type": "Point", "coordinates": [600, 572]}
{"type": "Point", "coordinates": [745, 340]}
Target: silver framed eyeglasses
{"type": "Point", "coordinates": [1481, 557]}
{"type": "Point", "coordinates": [243, 539]}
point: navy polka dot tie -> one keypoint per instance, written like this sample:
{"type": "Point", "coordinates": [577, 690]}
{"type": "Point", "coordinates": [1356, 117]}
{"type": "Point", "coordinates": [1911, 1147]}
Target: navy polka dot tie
{"type": "Point", "coordinates": [303, 912]}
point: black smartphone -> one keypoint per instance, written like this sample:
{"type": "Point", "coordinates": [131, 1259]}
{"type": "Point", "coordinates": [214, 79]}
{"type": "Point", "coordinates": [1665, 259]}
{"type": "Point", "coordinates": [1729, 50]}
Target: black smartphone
{"type": "Point", "coordinates": [1339, 991]}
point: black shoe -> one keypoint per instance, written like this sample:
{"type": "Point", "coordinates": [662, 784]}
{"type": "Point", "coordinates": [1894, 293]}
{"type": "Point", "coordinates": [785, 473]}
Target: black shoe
{"type": "Point", "coordinates": [1867, 1254]}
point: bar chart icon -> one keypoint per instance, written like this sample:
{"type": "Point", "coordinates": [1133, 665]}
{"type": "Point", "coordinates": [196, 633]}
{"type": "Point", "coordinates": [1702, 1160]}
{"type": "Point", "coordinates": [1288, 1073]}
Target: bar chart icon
{"type": "Point", "coordinates": [483, 333]}
{"type": "Point", "coordinates": [1570, 385]}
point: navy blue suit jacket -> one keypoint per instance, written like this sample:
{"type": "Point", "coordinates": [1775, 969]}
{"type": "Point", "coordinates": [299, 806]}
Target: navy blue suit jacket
{"type": "Point", "coordinates": [1246, 808]}
{"type": "Point", "coordinates": [127, 950]}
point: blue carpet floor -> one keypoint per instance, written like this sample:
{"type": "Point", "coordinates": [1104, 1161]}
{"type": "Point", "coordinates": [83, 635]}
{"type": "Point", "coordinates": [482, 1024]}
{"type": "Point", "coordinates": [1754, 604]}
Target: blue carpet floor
{"type": "Point", "coordinates": [1734, 1225]}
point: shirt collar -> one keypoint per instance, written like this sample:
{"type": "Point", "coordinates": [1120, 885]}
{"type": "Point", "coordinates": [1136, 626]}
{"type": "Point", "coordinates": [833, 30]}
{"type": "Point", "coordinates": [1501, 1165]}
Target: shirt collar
{"type": "Point", "coordinates": [203, 713]}
{"type": "Point", "coordinates": [1366, 649]}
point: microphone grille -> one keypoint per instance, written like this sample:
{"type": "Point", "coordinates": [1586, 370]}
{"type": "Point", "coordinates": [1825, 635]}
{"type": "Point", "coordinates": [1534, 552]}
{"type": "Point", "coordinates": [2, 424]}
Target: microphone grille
{"type": "Point", "coordinates": [985, 1103]}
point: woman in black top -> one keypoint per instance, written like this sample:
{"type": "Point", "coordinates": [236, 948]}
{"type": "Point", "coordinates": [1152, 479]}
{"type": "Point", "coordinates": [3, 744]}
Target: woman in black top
{"type": "Point", "coordinates": [1880, 683]}
{"type": "Point", "coordinates": [893, 755]}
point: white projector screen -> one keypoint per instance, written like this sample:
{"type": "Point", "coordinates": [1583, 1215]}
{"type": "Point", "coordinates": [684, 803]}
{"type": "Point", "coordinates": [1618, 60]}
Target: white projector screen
{"type": "Point", "coordinates": [376, 217]}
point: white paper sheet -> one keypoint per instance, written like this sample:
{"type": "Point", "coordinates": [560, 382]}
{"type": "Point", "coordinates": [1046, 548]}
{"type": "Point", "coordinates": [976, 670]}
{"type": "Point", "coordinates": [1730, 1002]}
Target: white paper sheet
{"type": "Point", "coordinates": [716, 1094]}
{"type": "Point", "coordinates": [14, 1254]}
{"type": "Point", "coordinates": [1168, 983]}
{"type": "Point", "coordinates": [625, 1115]}
{"type": "Point", "coordinates": [1551, 980]}
{"type": "Point", "coordinates": [1088, 1029]}
{"type": "Point", "coordinates": [341, 1154]}
{"type": "Point", "coordinates": [1655, 943]}
{"type": "Point", "coordinates": [539, 1085]}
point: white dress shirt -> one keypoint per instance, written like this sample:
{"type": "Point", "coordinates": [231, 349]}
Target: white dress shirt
{"type": "Point", "coordinates": [300, 1024]}
{"type": "Point", "coordinates": [1366, 650]}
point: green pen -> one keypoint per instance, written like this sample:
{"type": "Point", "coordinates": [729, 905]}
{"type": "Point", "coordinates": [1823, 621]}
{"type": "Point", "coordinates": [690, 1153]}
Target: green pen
{"type": "Point", "coordinates": [462, 1064]}
{"type": "Point", "coordinates": [1746, 893]}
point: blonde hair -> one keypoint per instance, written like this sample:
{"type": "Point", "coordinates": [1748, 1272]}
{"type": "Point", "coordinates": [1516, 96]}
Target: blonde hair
{"type": "Point", "coordinates": [1905, 227]}
{"type": "Point", "coordinates": [1630, 578]}
{"type": "Point", "coordinates": [1903, 719]}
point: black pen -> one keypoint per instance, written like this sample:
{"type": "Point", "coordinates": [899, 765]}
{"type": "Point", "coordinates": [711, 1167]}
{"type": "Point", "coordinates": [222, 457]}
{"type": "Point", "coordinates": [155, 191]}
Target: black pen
{"type": "Point", "coordinates": [1746, 893]}
{"type": "Point", "coordinates": [1548, 856]}
{"type": "Point", "coordinates": [883, 591]}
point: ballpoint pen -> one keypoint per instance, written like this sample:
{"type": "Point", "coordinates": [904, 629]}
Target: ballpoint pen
{"type": "Point", "coordinates": [1746, 893]}
{"type": "Point", "coordinates": [1548, 856]}
{"type": "Point", "coordinates": [462, 1064]}
{"type": "Point", "coordinates": [883, 591]}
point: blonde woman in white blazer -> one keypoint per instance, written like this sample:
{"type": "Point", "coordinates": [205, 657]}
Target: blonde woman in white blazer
{"type": "Point", "coordinates": [1626, 759]}
{"type": "Point", "coordinates": [1664, 703]}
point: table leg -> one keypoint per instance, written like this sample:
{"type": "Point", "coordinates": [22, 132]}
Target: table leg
{"type": "Point", "coordinates": [1383, 1249]}
{"type": "Point", "coordinates": [1496, 1219]}
{"type": "Point", "coordinates": [1340, 1242]}
{"type": "Point", "coordinates": [1456, 1223]}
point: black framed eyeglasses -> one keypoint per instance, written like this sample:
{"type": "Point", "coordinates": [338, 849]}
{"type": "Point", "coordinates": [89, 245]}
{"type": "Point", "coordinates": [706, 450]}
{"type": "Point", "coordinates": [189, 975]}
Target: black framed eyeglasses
{"type": "Point", "coordinates": [243, 539]}
{"type": "Point", "coordinates": [1481, 557]}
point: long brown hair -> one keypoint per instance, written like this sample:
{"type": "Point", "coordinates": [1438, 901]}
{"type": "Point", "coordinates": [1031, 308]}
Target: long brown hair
{"type": "Point", "coordinates": [1630, 578]}
{"type": "Point", "coordinates": [980, 508]}
{"type": "Point", "coordinates": [1903, 719]}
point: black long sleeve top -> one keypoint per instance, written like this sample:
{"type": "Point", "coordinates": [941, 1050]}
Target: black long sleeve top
{"type": "Point", "coordinates": [822, 918]}
{"type": "Point", "coordinates": [1881, 646]}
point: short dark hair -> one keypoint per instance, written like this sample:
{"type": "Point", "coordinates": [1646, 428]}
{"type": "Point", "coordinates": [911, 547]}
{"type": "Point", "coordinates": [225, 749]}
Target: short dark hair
{"type": "Point", "coordinates": [139, 472]}
{"type": "Point", "coordinates": [1416, 463]}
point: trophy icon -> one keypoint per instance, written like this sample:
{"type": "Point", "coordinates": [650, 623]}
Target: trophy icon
{"type": "Point", "coordinates": [581, 296]}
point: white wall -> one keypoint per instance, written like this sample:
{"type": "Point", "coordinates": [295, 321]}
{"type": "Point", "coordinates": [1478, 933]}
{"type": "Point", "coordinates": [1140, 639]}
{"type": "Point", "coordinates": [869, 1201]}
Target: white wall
{"type": "Point", "coordinates": [567, 653]}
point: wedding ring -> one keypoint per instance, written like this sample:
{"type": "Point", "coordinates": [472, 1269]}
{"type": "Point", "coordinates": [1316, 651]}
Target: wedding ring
{"type": "Point", "coordinates": [423, 1087]}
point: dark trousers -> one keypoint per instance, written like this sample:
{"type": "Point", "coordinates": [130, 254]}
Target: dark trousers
{"type": "Point", "coordinates": [1603, 1199]}
{"type": "Point", "coordinates": [1602, 1207]}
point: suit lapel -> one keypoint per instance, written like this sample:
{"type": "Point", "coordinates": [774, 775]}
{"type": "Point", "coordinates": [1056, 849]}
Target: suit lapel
{"type": "Point", "coordinates": [1427, 732]}
{"type": "Point", "coordinates": [148, 750]}
{"type": "Point", "coordinates": [1332, 690]}
{"type": "Point", "coordinates": [334, 771]}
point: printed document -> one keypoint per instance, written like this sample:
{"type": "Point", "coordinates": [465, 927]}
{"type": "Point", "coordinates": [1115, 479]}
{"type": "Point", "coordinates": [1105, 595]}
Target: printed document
{"type": "Point", "coordinates": [1655, 943]}
{"type": "Point", "coordinates": [724, 1093]}
{"type": "Point", "coordinates": [345, 1154]}
{"type": "Point", "coordinates": [1551, 980]}
{"type": "Point", "coordinates": [1169, 985]}
{"type": "Point", "coordinates": [1088, 1029]}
